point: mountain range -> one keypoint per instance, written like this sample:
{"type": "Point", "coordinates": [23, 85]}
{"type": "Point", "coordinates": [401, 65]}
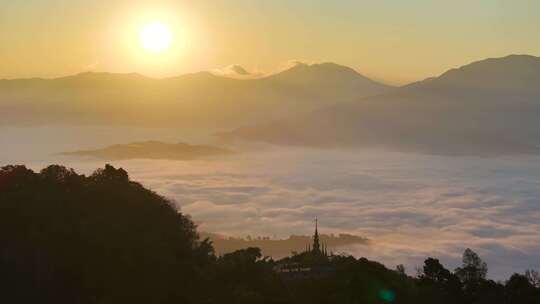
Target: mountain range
{"type": "Point", "coordinates": [201, 100]}
{"type": "Point", "coordinates": [487, 108]}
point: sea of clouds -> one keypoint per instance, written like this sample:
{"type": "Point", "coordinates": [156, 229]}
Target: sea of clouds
{"type": "Point", "coordinates": [410, 206]}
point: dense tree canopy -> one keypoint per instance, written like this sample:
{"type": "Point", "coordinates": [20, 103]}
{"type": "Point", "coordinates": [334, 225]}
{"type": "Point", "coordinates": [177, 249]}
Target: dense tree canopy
{"type": "Point", "coordinates": [70, 238]}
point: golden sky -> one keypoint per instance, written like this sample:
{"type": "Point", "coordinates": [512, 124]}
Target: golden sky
{"type": "Point", "coordinates": [394, 41]}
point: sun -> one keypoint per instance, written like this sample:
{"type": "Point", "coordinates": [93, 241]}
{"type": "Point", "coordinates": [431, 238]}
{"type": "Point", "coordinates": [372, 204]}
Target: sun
{"type": "Point", "coordinates": [156, 37]}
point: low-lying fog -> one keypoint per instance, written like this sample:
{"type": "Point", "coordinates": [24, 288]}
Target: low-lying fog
{"type": "Point", "coordinates": [410, 206]}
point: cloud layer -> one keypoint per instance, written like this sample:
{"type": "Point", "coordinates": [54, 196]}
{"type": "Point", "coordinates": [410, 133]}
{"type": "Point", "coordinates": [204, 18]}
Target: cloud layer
{"type": "Point", "coordinates": [409, 206]}
{"type": "Point", "coordinates": [238, 72]}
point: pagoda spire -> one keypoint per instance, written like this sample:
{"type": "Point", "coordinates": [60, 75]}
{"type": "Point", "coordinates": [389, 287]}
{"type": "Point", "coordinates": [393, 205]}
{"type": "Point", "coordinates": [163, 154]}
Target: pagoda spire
{"type": "Point", "coordinates": [316, 243]}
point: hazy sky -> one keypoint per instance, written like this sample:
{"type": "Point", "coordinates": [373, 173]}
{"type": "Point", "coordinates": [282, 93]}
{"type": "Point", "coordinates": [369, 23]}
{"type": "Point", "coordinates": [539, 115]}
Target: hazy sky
{"type": "Point", "coordinates": [398, 41]}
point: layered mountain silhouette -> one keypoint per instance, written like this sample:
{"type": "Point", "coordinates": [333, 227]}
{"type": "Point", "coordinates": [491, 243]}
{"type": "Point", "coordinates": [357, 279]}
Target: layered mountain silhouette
{"type": "Point", "coordinates": [153, 150]}
{"type": "Point", "coordinates": [490, 107]}
{"type": "Point", "coordinates": [200, 100]}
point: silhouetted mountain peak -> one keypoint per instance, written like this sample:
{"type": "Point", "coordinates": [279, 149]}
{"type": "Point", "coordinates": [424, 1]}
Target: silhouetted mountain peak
{"type": "Point", "coordinates": [203, 99]}
{"type": "Point", "coordinates": [238, 69]}
{"type": "Point", "coordinates": [333, 67]}
{"type": "Point", "coordinates": [326, 67]}
{"type": "Point", "coordinates": [485, 108]}
{"type": "Point", "coordinates": [327, 72]}
{"type": "Point", "coordinates": [519, 72]}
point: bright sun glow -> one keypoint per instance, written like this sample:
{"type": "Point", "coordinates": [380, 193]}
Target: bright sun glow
{"type": "Point", "coordinates": [156, 37]}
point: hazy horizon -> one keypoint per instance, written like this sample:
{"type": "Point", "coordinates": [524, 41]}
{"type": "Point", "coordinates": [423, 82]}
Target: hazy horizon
{"type": "Point", "coordinates": [364, 35]}
{"type": "Point", "coordinates": [231, 71]}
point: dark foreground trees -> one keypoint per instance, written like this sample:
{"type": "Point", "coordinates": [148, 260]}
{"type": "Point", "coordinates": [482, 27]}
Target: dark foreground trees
{"type": "Point", "coordinates": [67, 238]}
{"type": "Point", "coordinates": [70, 238]}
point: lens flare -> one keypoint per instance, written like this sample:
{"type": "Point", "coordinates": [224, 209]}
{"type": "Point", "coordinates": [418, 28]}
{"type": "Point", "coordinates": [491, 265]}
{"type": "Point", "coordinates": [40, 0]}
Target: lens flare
{"type": "Point", "coordinates": [387, 295]}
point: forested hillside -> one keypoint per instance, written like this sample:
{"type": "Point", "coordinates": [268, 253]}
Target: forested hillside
{"type": "Point", "coordinates": [70, 238]}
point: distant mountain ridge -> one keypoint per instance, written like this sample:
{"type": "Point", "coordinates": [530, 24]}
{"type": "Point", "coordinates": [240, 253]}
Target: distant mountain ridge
{"type": "Point", "coordinates": [198, 100]}
{"type": "Point", "coordinates": [152, 150]}
{"type": "Point", "coordinates": [489, 107]}
{"type": "Point", "coordinates": [513, 72]}
{"type": "Point", "coordinates": [332, 71]}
